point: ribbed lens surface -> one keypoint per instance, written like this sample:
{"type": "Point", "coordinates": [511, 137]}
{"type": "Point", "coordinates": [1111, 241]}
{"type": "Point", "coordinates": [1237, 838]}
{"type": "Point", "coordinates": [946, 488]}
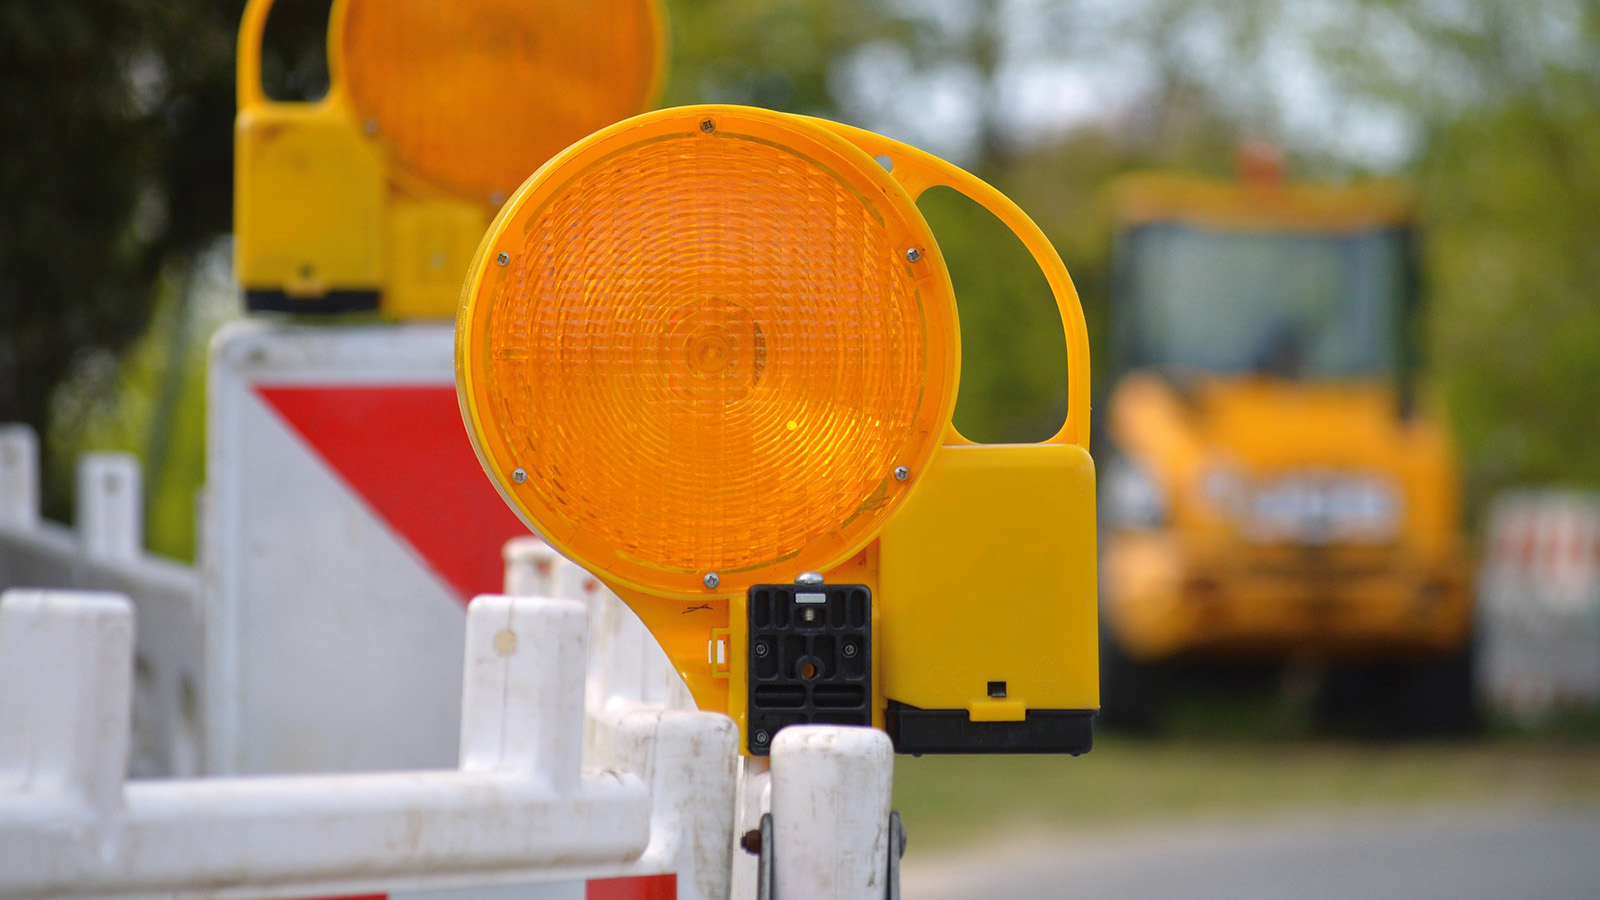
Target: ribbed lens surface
{"type": "Point", "coordinates": [474, 95]}
{"type": "Point", "coordinates": [710, 354]}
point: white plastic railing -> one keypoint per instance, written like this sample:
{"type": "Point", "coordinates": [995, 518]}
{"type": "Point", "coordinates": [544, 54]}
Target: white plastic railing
{"type": "Point", "coordinates": [518, 810]}
{"type": "Point", "coordinates": [826, 788]}
{"type": "Point", "coordinates": [104, 553]}
{"type": "Point", "coordinates": [665, 790]}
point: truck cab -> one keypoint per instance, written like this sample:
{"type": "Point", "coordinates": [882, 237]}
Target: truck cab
{"type": "Point", "coordinates": [1274, 491]}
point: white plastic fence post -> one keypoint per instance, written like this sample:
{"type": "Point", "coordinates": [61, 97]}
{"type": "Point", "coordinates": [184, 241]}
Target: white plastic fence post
{"type": "Point", "coordinates": [66, 668]}
{"type": "Point", "coordinates": [687, 758]}
{"type": "Point", "coordinates": [19, 477]}
{"type": "Point", "coordinates": [753, 800]}
{"type": "Point", "coordinates": [530, 567]}
{"type": "Point", "coordinates": [110, 506]}
{"type": "Point", "coordinates": [830, 812]}
{"type": "Point", "coordinates": [526, 654]}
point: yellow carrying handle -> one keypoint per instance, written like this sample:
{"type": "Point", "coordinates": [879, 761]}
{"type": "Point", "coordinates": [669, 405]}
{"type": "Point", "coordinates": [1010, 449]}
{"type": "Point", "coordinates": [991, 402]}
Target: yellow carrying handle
{"type": "Point", "coordinates": [916, 171]}
{"type": "Point", "coordinates": [247, 73]}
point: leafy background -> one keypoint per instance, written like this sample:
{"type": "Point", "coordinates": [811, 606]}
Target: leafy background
{"type": "Point", "coordinates": [115, 169]}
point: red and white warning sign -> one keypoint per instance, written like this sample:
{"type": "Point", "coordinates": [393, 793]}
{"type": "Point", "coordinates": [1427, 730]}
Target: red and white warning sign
{"type": "Point", "coordinates": [349, 523]}
{"type": "Point", "coordinates": [1540, 604]}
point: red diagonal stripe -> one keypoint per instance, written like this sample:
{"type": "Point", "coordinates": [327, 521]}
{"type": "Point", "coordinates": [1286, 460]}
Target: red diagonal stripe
{"type": "Point", "coordinates": [648, 887]}
{"type": "Point", "coordinates": [405, 451]}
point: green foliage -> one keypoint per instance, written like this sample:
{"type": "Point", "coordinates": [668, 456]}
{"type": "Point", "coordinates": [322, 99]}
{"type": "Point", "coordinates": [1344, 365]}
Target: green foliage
{"type": "Point", "coordinates": [115, 160]}
{"type": "Point", "coordinates": [1507, 98]}
{"type": "Point", "coordinates": [81, 219]}
{"type": "Point", "coordinates": [1014, 360]}
{"type": "Point", "coordinates": [116, 151]}
{"type": "Point", "coordinates": [1513, 201]}
{"type": "Point", "coordinates": [773, 55]}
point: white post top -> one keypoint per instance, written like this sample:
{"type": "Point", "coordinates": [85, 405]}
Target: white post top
{"type": "Point", "coordinates": [110, 506]}
{"type": "Point", "coordinates": [830, 812]}
{"type": "Point", "coordinates": [66, 670]}
{"type": "Point", "coordinates": [19, 477]}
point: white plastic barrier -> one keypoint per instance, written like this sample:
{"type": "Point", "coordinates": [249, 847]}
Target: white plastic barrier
{"type": "Point", "coordinates": [104, 553]}
{"type": "Point", "coordinates": [830, 813]}
{"type": "Point", "coordinates": [518, 810]}
{"type": "Point", "coordinates": [627, 667]}
{"type": "Point", "coordinates": [1539, 626]}
{"type": "Point", "coordinates": [515, 812]}
{"type": "Point", "coordinates": [827, 789]}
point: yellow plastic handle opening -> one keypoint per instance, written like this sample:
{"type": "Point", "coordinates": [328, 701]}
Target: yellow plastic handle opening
{"type": "Point", "coordinates": [247, 72]}
{"type": "Point", "coordinates": [917, 171]}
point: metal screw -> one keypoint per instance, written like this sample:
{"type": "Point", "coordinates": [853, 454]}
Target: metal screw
{"type": "Point", "coordinates": [707, 126]}
{"type": "Point", "coordinates": [901, 473]}
{"type": "Point", "coordinates": [913, 255]}
{"type": "Point", "coordinates": [809, 579]}
{"type": "Point", "coordinates": [371, 126]}
{"type": "Point", "coordinates": [518, 476]}
{"type": "Point", "coordinates": [711, 580]}
{"type": "Point", "coordinates": [762, 737]}
{"type": "Point", "coordinates": [503, 258]}
{"type": "Point", "coordinates": [762, 650]}
{"type": "Point", "coordinates": [809, 615]}
{"type": "Point", "coordinates": [849, 651]}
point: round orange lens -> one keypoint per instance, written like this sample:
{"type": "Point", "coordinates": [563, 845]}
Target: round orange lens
{"type": "Point", "coordinates": [472, 95]}
{"type": "Point", "coordinates": [708, 349]}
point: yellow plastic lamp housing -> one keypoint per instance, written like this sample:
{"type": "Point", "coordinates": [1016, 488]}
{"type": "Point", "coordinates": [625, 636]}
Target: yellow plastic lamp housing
{"type": "Point", "coordinates": [708, 349]}
{"type": "Point", "coordinates": [472, 96]}
{"type": "Point", "coordinates": [695, 347]}
{"type": "Point", "coordinates": [376, 196]}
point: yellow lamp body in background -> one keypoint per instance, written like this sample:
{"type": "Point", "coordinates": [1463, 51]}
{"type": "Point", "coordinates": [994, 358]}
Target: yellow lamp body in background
{"type": "Point", "coordinates": [712, 348]}
{"type": "Point", "coordinates": [376, 196]}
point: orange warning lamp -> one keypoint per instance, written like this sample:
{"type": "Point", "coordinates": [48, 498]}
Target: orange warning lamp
{"type": "Point", "coordinates": [711, 354]}
{"type": "Point", "coordinates": [375, 196]}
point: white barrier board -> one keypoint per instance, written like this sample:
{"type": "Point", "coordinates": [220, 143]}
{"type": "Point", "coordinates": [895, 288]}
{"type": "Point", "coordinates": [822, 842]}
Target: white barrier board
{"type": "Point", "coordinates": [349, 524]}
{"type": "Point", "coordinates": [1540, 604]}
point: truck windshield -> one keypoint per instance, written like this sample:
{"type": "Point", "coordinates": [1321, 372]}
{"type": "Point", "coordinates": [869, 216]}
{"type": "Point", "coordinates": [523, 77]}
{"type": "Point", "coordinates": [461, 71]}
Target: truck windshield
{"type": "Point", "coordinates": [1291, 303]}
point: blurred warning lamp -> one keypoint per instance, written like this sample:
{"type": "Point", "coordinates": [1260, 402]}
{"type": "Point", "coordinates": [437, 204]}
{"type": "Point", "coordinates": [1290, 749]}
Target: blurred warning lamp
{"type": "Point", "coordinates": [472, 95]}
{"type": "Point", "coordinates": [375, 196]}
{"type": "Point", "coordinates": [708, 349]}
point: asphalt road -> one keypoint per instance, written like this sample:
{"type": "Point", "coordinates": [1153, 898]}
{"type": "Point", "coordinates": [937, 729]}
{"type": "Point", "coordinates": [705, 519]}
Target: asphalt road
{"type": "Point", "coordinates": [1520, 854]}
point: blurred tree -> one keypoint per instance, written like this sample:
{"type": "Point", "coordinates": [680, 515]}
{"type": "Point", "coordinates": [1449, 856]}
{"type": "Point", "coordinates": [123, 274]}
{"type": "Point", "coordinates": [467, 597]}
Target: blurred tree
{"type": "Point", "coordinates": [1507, 100]}
{"type": "Point", "coordinates": [775, 55]}
{"type": "Point", "coordinates": [115, 161]}
{"type": "Point", "coordinates": [85, 226]}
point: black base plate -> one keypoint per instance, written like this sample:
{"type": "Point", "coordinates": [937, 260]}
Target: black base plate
{"type": "Point", "coordinates": [918, 731]}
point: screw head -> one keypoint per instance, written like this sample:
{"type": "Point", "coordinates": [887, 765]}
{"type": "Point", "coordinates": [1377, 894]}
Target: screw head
{"type": "Point", "coordinates": [810, 579]}
{"type": "Point", "coordinates": [370, 126]}
{"type": "Point", "coordinates": [913, 255]}
{"type": "Point", "coordinates": [503, 258]}
{"type": "Point", "coordinates": [761, 736]}
{"type": "Point", "coordinates": [711, 580]}
{"type": "Point", "coordinates": [849, 651]}
{"type": "Point", "coordinates": [707, 126]}
{"type": "Point", "coordinates": [901, 473]}
{"type": "Point", "coordinates": [518, 476]}
{"type": "Point", "coordinates": [762, 650]}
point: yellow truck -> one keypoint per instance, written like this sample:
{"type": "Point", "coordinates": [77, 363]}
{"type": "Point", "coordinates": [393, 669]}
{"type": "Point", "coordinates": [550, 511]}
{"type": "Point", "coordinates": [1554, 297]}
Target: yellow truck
{"type": "Point", "coordinates": [1274, 491]}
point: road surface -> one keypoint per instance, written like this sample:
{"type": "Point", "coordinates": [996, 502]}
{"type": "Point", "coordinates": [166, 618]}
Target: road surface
{"type": "Point", "coordinates": [1514, 854]}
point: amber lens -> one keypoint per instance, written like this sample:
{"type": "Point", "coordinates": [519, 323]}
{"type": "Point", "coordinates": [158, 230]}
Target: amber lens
{"type": "Point", "coordinates": [709, 352]}
{"type": "Point", "coordinates": [473, 95]}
